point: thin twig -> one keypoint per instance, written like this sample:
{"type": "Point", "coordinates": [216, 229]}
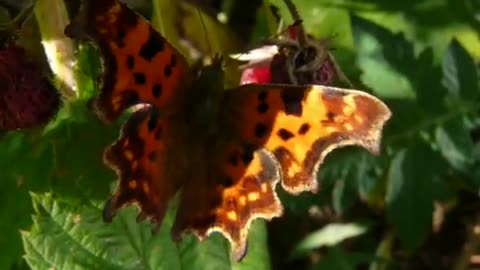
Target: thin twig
{"type": "Point", "coordinates": [302, 38]}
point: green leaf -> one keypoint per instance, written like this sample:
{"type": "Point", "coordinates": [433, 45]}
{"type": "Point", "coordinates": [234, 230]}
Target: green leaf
{"type": "Point", "coordinates": [78, 145]}
{"type": "Point", "coordinates": [343, 195]}
{"type": "Point", "coordinates": [476, 167]}
{"type": "Point", "coordinates": [330, 235]}
{"type": "Point", "coordinates": [346, 169]}
{"type": "Point", "coordinates": [385, 59]}
{"type": "Point", "coordinates": [15, 209]}
{"type": "Point", "coordinates": [412, 187]}
{"type": "Point", "coordinates": [428, 23]}
{"type": "Point", "coordinates": [384, 252]}
{"type": "Point", "coordinates": [339, 259]}
{"type": "Point", "coordinates": [430, 93]}
{"type": "Point", "coordinates": [26, 162]}
{"type": "Point", "coordinates": [455, 144]}
{"type": "Point", "coordinates": [460, 73]}
{"type": "Point", "coordinates": [65, 236]}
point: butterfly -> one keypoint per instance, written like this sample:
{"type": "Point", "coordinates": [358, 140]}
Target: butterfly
{"type": "Point", "coordinates": [223, 151]}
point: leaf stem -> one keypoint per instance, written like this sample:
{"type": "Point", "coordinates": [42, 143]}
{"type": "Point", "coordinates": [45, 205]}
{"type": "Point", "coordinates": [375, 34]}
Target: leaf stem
{"type": "Point", "coordinates": [52, 17]}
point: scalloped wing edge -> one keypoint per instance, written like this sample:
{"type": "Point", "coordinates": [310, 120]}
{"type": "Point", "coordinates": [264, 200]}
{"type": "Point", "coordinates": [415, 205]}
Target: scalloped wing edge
{"type": "Point", "coordinates": [371, 141]}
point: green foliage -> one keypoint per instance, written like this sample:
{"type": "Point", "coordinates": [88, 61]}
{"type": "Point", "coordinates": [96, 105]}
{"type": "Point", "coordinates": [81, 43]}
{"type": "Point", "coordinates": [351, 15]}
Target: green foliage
{"type": "Point", "coordinates": [420, 58]}
{"type": "Point", "coordinates": [74, 236]}
{"type": "Point", "coordinates": [330, 235]}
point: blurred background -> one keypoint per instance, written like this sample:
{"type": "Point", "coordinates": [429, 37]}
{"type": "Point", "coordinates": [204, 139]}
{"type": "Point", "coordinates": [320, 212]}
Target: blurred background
{"type": "Point", "coordinates": [415, 206]}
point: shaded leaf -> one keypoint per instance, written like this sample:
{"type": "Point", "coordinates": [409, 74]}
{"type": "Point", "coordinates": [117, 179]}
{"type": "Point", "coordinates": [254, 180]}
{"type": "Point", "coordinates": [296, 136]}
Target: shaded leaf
{"type": "Point", "coordinates": [455, 144]}
{"type": "Point", "coordinates": [339, 259]}
{"type": "Point", "coordinates": [476, 168]}
{"type": "Point", "coordinates": [460, 73]}
{"type": "Point", "coordinates": [412, 187]}
{"type": "Point", "coordinates": [384, 251]}
{"type": "Point", "coordinates": [346, 170]}
{"type": "Point", "coordinates": [15, 209]}
{"type": "Point", "coordinates": [430, 93]}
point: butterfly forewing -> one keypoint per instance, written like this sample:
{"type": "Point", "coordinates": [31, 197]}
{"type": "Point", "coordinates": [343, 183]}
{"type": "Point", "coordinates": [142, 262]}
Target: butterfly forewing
{"type": "Point", "coordinates": [140, 66]}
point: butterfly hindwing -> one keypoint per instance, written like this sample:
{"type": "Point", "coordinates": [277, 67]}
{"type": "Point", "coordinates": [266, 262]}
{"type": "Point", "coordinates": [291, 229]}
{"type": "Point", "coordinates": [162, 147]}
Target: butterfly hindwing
{"type": "Point", "coordinates": [222, 196]}
{"type": "Point", "coordinates": [140, 65]}
{"type": "Point", "coordinates": [138, 157]}
{"type": "Point", "coordinates": [301, 125]}
{"type": "Point", "coordinates": [242, 191]}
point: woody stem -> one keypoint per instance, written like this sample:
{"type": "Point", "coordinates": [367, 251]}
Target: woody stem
{"type": "Point", "coordinates": [302, 39]}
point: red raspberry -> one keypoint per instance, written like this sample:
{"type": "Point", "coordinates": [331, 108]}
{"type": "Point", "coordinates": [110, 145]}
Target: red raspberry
{"type": "Point", "coordinates": [27, 98]}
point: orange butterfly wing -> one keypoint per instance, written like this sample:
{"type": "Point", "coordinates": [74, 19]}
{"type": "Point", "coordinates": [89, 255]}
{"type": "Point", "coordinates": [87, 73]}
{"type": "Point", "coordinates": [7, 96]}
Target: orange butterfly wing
{"type": "Point", "coordinates": [224, 194]}
{"type": "Point", "coordinates": [224, 197]}
{"type": "Point", "coordinates": [301, 125]}
{"type": "Point", "coordinates": [138, 157]}
{"type": "Point", "coordinates": [140, 65]}
{"type": "Point", "coordinates": [242, 190]}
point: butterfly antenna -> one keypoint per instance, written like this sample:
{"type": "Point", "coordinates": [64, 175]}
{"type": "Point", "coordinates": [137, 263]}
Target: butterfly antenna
{"type": "Point", "coordinates": [204, 26]}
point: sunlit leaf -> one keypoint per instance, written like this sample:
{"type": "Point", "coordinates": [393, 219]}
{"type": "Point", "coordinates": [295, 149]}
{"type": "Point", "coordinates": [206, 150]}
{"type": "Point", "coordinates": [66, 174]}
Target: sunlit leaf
{"type": "Point", "coordinates": [330, 235]}
{"type": "Point", "coordinates": [75, 237]}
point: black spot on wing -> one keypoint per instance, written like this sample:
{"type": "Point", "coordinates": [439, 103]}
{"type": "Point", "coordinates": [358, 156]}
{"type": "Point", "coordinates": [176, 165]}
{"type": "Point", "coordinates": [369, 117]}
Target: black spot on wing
{"type": "Point", "coordinates": [130, 97]}
{"type": "Point", "coordinates": [173, 61]}
{"type": "Point", "coordinates": [152, 46]}
{"type": "Point", "coordinates": [120, 40]}
{"type": "Point", "coordinates": [304, 128]}
{"type": "Point", "coordinates": [260, 130]}
{"type": "Point", "coordinates": [285, 134]}
{"type": "Point", "coordinates": [227, 181]}
{"type": "Point", "coordinates": [139, 78]}
{"type": "Point", "coordinates": [262, 108]}
{"type": "Point", "coordinates": [152, 156]}
{"type": "Point", "coordinates": [167, 71]}
{"type": "Point", "coordinates": [292, 99]}
{"type": "Point", "coordinates": [152, 122]}
{"type": "Point", "coordinates": [247, 155]}
{"type": "Point", "coordinates": [233, 159]}
{"type": "Point", "coordinates": [130, 62]}
{"type": "Point", "coordinates": [330, 118]}
{"type": "Point", "coordinates": [157, 90]}
{"type": "Point", "coordinates": [262, 96]}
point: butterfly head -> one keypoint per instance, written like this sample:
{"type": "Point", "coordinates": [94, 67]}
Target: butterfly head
{"type": "Point", "coordinates": [210, 77]}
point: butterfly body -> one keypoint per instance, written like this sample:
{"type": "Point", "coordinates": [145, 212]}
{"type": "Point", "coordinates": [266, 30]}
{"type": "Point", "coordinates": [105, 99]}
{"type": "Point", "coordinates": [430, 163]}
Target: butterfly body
{"type": "Point", "coordinates": [202, 101]}
{"type": "Point", "coordinates": [221, 151]}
